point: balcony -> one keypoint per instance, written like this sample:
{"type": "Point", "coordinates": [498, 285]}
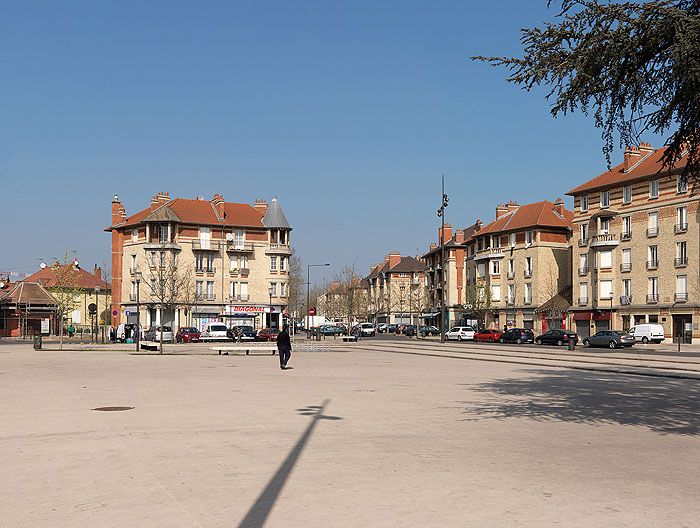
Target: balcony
{"type": "Point", "coordinates": [652, 264]}
{"type": "Point", "coordinates": [279, 249]}
{"type": "Point", "coordinates": [205, 245]}
{"type": "Point", "coordinates": [652, 232]}
{"type": "Point", "coordinates": [233, 246]}
{"type": "Point", "coordinates": [583, 242]}
{"type": "Point", "coordinates": [239, 297]}
{"type": "Point", "coordinates": [583, 270]}
{"type": "Point", "coordinates": [680, 228]}
{"type": "Point", "coordinates": [627, 235]}
{"type": "Point", "coordinates": [681, 297]}
{"type": "Point", "coordinates": [208, 271]}
{"type": "Point", "coordinates": [680, 262]}
{"type": "Point", "coordinates": [652, 298]}
{"type": "Point", "coordinates": [625, 267]}
{"type": "Point", "coordinates": [604, 240]}
{"type": "Point", "coordinates": [582, 301]}
{"type": "Point", "coordinates": [210, 297]}
{"type": "Point", "coordinates": [489, 253]}
{"type": "Point", "coordinates": [625, 300]}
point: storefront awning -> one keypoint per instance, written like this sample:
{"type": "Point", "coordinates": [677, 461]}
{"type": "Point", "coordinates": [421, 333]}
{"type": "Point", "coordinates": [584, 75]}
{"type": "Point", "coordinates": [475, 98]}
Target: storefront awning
{"type": "Point", "coordinates": [206, 310]}
{"type": "Point", "coordinates": [582, 316]}
{"type": "Point", "coordinates": [435, 314]}
{"type": "Point", "coordinates": [601, 316]}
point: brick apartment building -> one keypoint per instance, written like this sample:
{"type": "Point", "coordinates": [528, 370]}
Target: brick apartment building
{"type": "Point", "coordinates": [236, 254]}
{"type": "Point", "coordinates": [636, 245]}
{"type": "Point", "coordinates": [518, 267]}
{"type": "Point", "coordinates": [397, 292]}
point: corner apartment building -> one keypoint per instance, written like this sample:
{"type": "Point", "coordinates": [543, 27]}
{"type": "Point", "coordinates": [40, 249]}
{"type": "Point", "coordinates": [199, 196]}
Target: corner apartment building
{"type": "Point", "coordinates": [236, 255]}
{"type": "Point", "coordinates": [636, 244]}
{"type": "Point", "coordinates": [397, 292]}
{"type": "Point", "coordinates": [519, 267]}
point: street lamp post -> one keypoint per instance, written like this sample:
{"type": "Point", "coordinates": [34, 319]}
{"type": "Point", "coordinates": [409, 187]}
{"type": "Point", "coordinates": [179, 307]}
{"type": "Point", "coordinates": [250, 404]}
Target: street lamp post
{"type": "Point", "coordinates": [308, 289]}
{"type": "Point", "coordinates": [97, 314]}
{"type": "Point", "coordinates": [441, 213]}
{"type": "Point", "coordinates": [269, 290]}
{"type": "Point", "coordinates": [138, 311]}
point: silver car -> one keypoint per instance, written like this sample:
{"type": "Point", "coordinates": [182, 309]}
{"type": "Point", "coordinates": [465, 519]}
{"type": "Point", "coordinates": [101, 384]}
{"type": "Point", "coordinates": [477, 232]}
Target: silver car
{"type": "Point", "coordinates": [609, 339]}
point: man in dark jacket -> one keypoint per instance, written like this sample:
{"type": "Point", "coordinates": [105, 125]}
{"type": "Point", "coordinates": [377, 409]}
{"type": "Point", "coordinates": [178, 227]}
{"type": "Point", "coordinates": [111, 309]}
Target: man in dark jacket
{"type": "Point", "coordinates": [284, 346]}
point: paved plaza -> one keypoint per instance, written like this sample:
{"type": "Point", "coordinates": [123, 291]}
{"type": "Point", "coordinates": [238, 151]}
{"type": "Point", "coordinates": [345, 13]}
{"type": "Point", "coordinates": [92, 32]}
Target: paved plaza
{"type": "Point", "coordinates": [345, 439]}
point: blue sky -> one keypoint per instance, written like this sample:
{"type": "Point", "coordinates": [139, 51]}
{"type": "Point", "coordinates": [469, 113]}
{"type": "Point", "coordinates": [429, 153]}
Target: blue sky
{"type": "Point", "coordinates": [347, 111]}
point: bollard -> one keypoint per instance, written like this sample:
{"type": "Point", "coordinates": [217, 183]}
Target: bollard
{"type": "Point", "coordinates": [37, 342]}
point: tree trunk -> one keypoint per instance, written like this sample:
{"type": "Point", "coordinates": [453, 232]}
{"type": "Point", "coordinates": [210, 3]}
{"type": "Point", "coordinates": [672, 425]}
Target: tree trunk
{"type": "Point", "coordinates": [60, 332]}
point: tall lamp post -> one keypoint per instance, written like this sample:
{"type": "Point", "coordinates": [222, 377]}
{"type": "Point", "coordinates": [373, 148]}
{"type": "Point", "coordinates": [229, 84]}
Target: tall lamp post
{"type": "Point", "coordinates": [97, 314]}
{"type": "Point", "coordinates": [138, 310]}
{"type": "Point", "coordinates": [269, 290]}
{"type": "Point", "coordinates": [441, 214]}
{"type": "Point", "coordinates": [308, 288]}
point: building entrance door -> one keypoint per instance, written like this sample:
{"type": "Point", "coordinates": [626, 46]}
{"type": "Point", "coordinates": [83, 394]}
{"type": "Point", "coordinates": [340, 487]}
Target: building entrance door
{"type": "Point", "coordinates": [583, 328]}
{"type": "Point", "coordinates": [683, 328]}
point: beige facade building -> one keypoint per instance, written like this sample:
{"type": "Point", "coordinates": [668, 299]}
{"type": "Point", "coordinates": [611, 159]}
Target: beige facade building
{"type": "Point", "coordinates": [636, 245]}
{"type": "Point", "coordinates": [232, 259]}
{"type": "Point", "coordinates": [518, 271]}
{"type": "Point", "coordinates": [397, 291]}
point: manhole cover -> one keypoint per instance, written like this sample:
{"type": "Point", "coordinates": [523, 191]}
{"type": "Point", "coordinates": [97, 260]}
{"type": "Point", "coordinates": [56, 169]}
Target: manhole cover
{"type": "Point", "coordinates": [116, 408]}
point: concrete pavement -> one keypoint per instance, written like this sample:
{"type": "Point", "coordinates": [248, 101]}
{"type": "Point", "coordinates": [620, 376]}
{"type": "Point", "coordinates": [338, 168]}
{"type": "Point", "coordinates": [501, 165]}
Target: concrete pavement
{"type": "Point", "coordinates": [359, 438]}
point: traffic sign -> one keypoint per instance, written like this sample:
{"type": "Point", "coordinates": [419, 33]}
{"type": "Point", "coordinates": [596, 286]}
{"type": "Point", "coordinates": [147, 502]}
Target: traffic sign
{"type": "Point", "coordinates": [128, 313]}
{"type": "Point", "coordinates": [92, 308]}
{"type": "Point", "coordinates": [312, 311]}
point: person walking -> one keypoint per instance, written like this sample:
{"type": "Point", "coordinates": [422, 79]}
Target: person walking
{"type": "Point", "coordinates": [284, 346]}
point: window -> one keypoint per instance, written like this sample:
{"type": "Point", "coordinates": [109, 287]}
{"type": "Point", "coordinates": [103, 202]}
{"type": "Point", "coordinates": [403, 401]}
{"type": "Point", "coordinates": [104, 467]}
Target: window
{"type": "Point", "coordinates": [133, 263]}
{"type": "Point", "coordinates": [529, 236]}
{"type": "Point", "coordinates": [627, 288]}
{"type": "Point", "coordinates": [605, 259]}
{"type": "Point", "coordinates": [681, 218]}
{"type": "Point", "coordinates": [682, 184]}
{"type": "Point", "coordinates": [284, 263]}
{"type": "Point", "coordinates": [154, 259]}
{"type": "Point", "coordinates": [199, 261]}
{"type": "Point", "coordinates": [626, 260]}
{"type": "Point", "coordinates": [210, 290]}
{"type": "Point", "coordinates": [583, 263]}
{"type": "Point", "coordinates": [273, 263]}
{"type": "Point", "coordinates": [233, 263]}
{"type": "Point", "coordinates": [682, 284]}
{"type": "Point", "coordinates": [496, 292]}
{"type": "Point", "coordinates": [162, 259]}
{"type": "Point", "coordinates": [273, 289]}
{"type": "Point", "coordinates": [163, 233]}
{"type": "Point", "coordinates": [583, 293]}
{"type": "Point", "coordinates": [210, 263]}
{"type": "Point", "coordinates": [244, 291]}
{"type": "Point", "coordinates": [653, 254]}
{"type": "Point", "coordinates": [495, 267]}
{"type": "Point", "coordinates": [626, 226]}
{"type": "Point", "coordinates": [238, 238]}
{"type": "Point", "coordinates": [605, 289]}
{"type": "Point", "coordinates": [495, 242]}
{"type": "Point", "coordinates": [133, 288]}
{"type": "Point", "coordinates": [512, 239]}
{"type": "Point", "coordinates": [480, 269]}
{"type": "Point", "coordinates": [653, 286]}
{"type": "Point", "coordinates": [528, 293]}
{"type": "Point", "coordinates": [627, 194]}
{"type": "Point", "coordinates": [154, 290]}
{"type": "Point", "coordinates": [134, 234]}
{"type": "Point", "coordinates": [243, 261]}
{"type": "Point", "coordinates": [528, 266]}
{"type": "Point", "coordinates": [232, 290]}
{"type": "Point", "coordinates": [205, 237]}
{"type": "Point", "coordinates": [653, 224]}
{"type": "Point", "coordinates": [682, 250]}
{"type": "Point", "coordinates": [604, 226]}
{"type": "Point", "coordinates": [604, 198]}
{"type": "Point", "coordinates": [511, 294]}
{"type": "Point", "coordinates": [583, 231]}
{"type": "Point", "coordinates": [584, 203]}
{"type": "Point", "coordinates": [511, 267]}
{"type": "Point", "coordinates": [283, 289]}
{"type": "Point", "coordinates": [654, 189]}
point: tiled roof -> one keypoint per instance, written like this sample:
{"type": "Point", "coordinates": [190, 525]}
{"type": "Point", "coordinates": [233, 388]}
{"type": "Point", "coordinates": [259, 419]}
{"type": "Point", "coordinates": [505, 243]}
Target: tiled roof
{"type": "Point", "coordinates": [274, 217]}
{"type": "Point", "coordinates": [538, 214]}
{"type": "Point", "coordinates": [408, 265]}
{"type": "Point", "coordinates": [27, 293]}
{"type": "Point", "coordinates": [73, 278]}
{"type": "Point", "coordinates": [648, 164]}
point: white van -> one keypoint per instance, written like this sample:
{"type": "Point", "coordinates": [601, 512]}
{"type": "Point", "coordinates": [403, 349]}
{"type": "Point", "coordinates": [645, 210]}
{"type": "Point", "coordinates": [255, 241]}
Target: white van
{"type": "Point", "coordinates": [648, 332]}
{"type": "Point", "coordinates": [214, 332]}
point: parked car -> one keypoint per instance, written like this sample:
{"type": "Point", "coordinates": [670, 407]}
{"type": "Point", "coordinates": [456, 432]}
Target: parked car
{"type": "Point", "coordinates": [236, 331]}
{"type": "Point", "coordinates": [610, 339]}
{"type": "Point", "coordinates": [409, 331]}
{"type": "Point", "coordinates": [517, 335]}
{"type": "Point", "coordinates": [460, 333]}
{"type": "Point", "coordinates": [367, 329]}
{"type": "Point", "coordinates": [154, 334]}
{"type": "Point", "coordinates": [488, 336]}
{"type": "Point", "coordinates": [188, 334]}
{"type": "Point", "coordinates": [268, 334]}
{"type": "Point", "coordinates": [429, 330]}
{"type": "Point", "coordinates": [248, 335]}
{"type": "Point", "coordinates": [556, 337]}
{"type": "Point", "coordinates": [381, 328]}
{"type": "Point", "coordinates": [392, 328]}
{"type": "Point", "coordinates": [127, 331]}
{"type": "Point", "coordinates": [332, 330]}
{"type": "Point", "coordinates": [214, 332]}
{"type": "Point", "coordinates": [648, 332]}
{"type": "Point", "coordinates": [400, 328]}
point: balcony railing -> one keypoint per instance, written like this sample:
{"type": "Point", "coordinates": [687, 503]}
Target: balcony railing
{"type": "Point", "coordinates": [605, 239]}
{"type": "Point", "coordinates": [626, 267]}
{"type": "Point", "coordinates": [681, 297]}
{"type": "Point", "coordinates": [279, 248]}
{"type": "Point", "coordinates": [239, 247]}
{"type": "Point", "coordinates": [205, 270]}
{"type": "Point", "coordinates": [583, 270]}
{"type": "Point", "coordinates": [625, 299]}
{"type": "Point", "coordinates": [680, 228]}
{"type": "Point", "coordinates": [626, 235]}
{"type": "Point", "coordinates": [238, 298]}
{"type": "Point", "coordinates": [680, 262]}
{"type": "Point", "coordinates": [528, 273]}
{"type": "Point", "coordinates": [652, 264]}
{"type": "Point", "coordinates": [652, 232]}
{"type": "Point", "coordinates": [210, 297]}
{"type": "Point", "coordinates": [582, 301]}
{"type": "Point", "coordinates": [652, 297]}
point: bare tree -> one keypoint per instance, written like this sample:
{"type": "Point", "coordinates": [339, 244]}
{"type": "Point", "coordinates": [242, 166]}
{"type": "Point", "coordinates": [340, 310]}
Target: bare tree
{"type": "Point", "coordinates": [295, 287]}
{"type": "Point", "coordinates": [554, 303]}
{"type": "Point", "coordinates": [64, 289]}
{"type": "Point", "coordinates": [477, 299]}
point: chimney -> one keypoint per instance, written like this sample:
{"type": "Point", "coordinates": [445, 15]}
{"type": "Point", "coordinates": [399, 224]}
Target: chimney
{"type": "Point", "coordinates": [501, 209]}
{"type": "Point", "coordinates": [459, 236]}
{"type": "Point", "coordinates": [117, 209]}
{"type": "Point", "coordinates": [512, 205]}
{"type": "Point", "coordinates": [646, 147]}
{"type": "Point", "coordinates": [433, 245]}
{"type": "Point", "coordinates": [98, 272]}
{"type": "Point", "coordinates": [217, 202]}
{"type": "Point", "coordinates": [559, 207]}
{"type": "Point", "coordinates": [448, 234]}
{"type": "Point", "coordinates": [394, 259]}
{"type": "Point", "coordinates": [261, 205]}
{"type": "Point", "coordinates": [632, 156]}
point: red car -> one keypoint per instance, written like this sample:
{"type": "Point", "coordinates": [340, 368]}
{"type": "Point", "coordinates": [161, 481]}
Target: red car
{"type": "Point", "coordinates": [488, 336]}
{"type": "Point", "coordinates": [188, 335]}
{"type": "Point", "coordinates": [268, 334]}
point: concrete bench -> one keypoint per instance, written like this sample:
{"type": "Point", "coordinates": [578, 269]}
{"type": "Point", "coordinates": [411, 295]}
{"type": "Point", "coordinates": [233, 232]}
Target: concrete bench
{"type": "Point", "coordinates": [242, 346]}
{"type": "Point", "coordinates": [148, 345]}
{"type": "Point", "coordinates": [348, 339]}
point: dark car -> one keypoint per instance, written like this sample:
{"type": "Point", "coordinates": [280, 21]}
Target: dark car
{"type": "Point", "coordinates": [392, 328]}
{"type": "Point", "coordinates": [248, 335]}
{"type": "Point", "coordinates": [235, 331]}
{"type": "Point", "coordinates": [429, 330]}
{"type": "Point", "coordinates": [409, 330]}
{"type": "Point", "coordinates": [332, 330]}
{"type": "Point", "coordinates": [556, 337]}
{"type": "Point", "coordinates": [610, 339]}
{"type": "Point", "coordinates": [188, 334]}
{"type": "Point", "coordinates": [268, 334]}
{"type": "Point", "coordinates": [517, 335]}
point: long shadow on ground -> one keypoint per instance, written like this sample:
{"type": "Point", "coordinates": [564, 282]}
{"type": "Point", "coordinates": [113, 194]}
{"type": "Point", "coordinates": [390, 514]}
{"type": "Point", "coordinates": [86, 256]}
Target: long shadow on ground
{"type": "Point", "coordinates": [665, 405]}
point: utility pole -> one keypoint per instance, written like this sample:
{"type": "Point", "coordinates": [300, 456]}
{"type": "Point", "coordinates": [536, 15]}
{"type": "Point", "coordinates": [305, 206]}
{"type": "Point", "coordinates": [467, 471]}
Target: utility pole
{"type": "Point", "coordinates": [441, 213]}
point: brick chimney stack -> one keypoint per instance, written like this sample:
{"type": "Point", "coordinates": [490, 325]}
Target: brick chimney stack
{"type": "Point", "coordinates": [217, 202]}
{"type": "Point", "coordinates": [394, 259]}
{"type": "Point", "coordinates": [501, 209]}
{"type": "Point", "coordinates": [433, 245]}
{"type": "Point", "coordinates": [448, 234]}
{"type": "Point", "coordinates": [261, 205]}
{"type": "Point", "coordinates": [559, 207]}
{"type": "Point", "coordinates": [118, 211]}
{"type": "Point", "coordinates": [459, 236]}
{"type": "Point", "coordinates": [98, 272]}
{"type": "Point", "coordinates": [632, 156]}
